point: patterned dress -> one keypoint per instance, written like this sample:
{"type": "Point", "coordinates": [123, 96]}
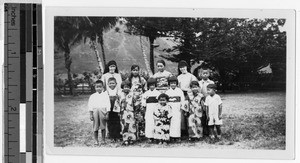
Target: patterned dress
{"type": "Point", "coordinates": [139, 111]}
{"type": "Point", "coordinates": [162, 120]}
{"type": "Point", "coordinates": [128, 121]}
{"type": "Point", "coordinates": [194, 121]}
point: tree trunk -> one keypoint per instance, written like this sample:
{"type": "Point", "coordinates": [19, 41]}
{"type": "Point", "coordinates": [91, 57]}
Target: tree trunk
{"type": "Point", "coordinates": [145, 58]}
{"type": "Point", "coordinates": [102, 49]}
{"type": "Point", "coordinates": [68, 62]}
{"type": "Point", "coordinates": [151, 39]}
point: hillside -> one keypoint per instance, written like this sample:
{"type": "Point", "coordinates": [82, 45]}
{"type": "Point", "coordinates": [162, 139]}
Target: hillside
{"type": "Point", "coordinates": [122, 47]}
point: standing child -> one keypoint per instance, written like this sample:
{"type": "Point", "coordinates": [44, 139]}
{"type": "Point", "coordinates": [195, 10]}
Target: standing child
{"type": "Point", "coordinates": [98, 110]}
{"type": "Point", "coordinates": [204, 75]}
{"type": "Point", "coordinates": [149, 102]}
{"type": "Point", "coordinates": [213, 104]}
{"type": "Point", "coordinates": [196, 112]}
{"type": "Point", "coordinates": [128, 121]}
{"type": "Point", "coordinates": [176, 99]}
{"type": "Point", "coordinates": [162, 118]}
{"type": "Point", "coordinates": [135, 79]}
{"type": "Point", "coordinates": [161, 76]}
{"type": "Point", "coordinates": [114, 126]}
{"type": "Point", "coordinates": [184, 80]}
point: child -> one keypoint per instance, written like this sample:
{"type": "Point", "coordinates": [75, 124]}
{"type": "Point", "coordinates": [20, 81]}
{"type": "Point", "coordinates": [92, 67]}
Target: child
{"type": "Point", "coordinates": [194, 123]}
{"type": "Point", "coordinates": [162, 118]}
{"type": "Point", "coordinates": [149, 102]}
{"type": "Point", "coordinates": [135, 79]}
{"type": "Point", "coordinates": [161, 76]}
{"type": "Point", "coordinates": [176, 99]}
{"type": "Point", "coordinates": [114, 126]}
{"type": "Point", "coordinates": [213, 104]}
{"type": "Point", "coordinates": [128, 121]}
{"type": "Point", "coordinates": [184, 80]}
{"type": "Point", "coordinates": [111, 70]}
{"type": "Point", "coordinates": [98, 110]}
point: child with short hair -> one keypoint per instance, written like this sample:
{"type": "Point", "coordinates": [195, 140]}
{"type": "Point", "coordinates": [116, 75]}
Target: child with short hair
{"type": "Point", "coordinates": [162, 118]}
{"type": "Point", "coordinates": [98, 110]}
{"type": "Point", "coordinates": [213, 104]}
{"type": "Point", "coordinates": [149, 102]}
{"type": "Point", "coordinates": [205, 73]}
{"type": "Point", "coordinates": [176, 100]}
{"type": "Point", "coordinates": [114, 126]}
{"type": "Point", "coordinates": [128, 121]}
{"type": "Point", "coordinates": [162, 76]}
{"type": "Point", "coordinates": [195, 110]}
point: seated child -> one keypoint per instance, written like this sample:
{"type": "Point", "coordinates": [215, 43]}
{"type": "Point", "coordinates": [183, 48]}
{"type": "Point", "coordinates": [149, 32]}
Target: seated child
{"type": "Point", "coordinates": [98, 110]}
{"type": "Point", "coordinates": [149, 102]}
{"type": "Point", "coordinates": [213, 104]}
{"type": "Point", "coordinates": [162, 118]}
{"type": "Point", "coordinates": [195, 112]}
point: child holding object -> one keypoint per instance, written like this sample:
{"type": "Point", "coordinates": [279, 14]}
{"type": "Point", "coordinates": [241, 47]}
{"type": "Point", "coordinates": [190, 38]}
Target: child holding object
{"type": "Point", "coordinates": [98, 105]}
{"type": "Point", "coordinates": [149, 102]}
{"type": "Point", "coordinates": [213, 105]}
{"type": "Point", "coordinates": [162, 118]}
{"type": "Point", "coordinates": [176, 99]}
{"type": "Point", "coordinates": [128, 122]}
{"type": "Point", "coordinates": [196, 112]}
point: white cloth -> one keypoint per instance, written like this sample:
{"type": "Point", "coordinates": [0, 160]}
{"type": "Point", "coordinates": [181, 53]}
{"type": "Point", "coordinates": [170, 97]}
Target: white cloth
{"type": "Point", "coordinates": [108, 75]}
{"type": "Point", "coordinates": [213, 103]}
{"type": "Point", "coordinates": [97, 100]}
{"type": "Point", "coordinates": [203, 86]}
{"type": "Point", "coordinates": [184, 81]}
{"type": "Point", "coordinates": [175, 126]}
{"type": "Point", "coordinates": [149, 119]}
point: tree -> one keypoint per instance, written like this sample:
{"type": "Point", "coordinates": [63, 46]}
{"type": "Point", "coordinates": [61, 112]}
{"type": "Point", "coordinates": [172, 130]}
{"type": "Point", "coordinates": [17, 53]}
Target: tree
{"type": "Point", "coordinates": [94, 29]}
{"type": "Point", "coordinates": [67, 33]}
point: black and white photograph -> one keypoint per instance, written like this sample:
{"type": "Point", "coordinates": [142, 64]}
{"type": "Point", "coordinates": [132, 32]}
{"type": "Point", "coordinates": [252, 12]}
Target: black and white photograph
{"type": "Point", "coordinates": [170, 82]}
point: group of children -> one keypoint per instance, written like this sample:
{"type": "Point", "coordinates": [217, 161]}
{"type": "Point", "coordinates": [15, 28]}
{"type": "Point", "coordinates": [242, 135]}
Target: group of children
{"type": "Point", "coordinates": [163, 109]}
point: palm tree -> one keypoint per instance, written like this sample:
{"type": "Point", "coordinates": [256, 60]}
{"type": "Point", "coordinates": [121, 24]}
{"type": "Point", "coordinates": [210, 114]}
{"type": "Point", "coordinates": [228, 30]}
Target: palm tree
{"type": "Point", "coordinates": [67, 33]}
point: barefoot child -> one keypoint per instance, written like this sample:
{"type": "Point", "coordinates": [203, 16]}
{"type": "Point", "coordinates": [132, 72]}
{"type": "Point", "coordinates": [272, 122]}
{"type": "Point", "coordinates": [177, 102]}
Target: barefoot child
{"type": "Point", "coordinates": [162, 118]}
{"type": "Point", "coordinates": [149, 102]}
{"type": "Point", "coordinates": [98, 110]}
{"type": "Point", "coordinates": [213, 104]}
{"type": "Point", "coordinates": [196, 112]}
{"type": "Point", "coordinates": [176, 99]}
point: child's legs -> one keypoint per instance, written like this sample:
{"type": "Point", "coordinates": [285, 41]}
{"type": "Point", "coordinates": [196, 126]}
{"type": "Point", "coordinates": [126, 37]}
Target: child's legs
{"type": "Point", "coordinates": [218, 127]}
{"type": "Point", "coordinates": [103, 134]}
{"type": "Point", "coordinates": [211, 130]}
{"type": "Point", "coordinates": [96, 135]}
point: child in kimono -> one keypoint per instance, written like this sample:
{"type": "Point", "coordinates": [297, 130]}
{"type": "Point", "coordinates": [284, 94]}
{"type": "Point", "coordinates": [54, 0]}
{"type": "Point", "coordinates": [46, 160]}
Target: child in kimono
{"type": "Point", "coordinates": [136, 79]}
{"type": "Point", "coordinates": [149, 102]}
{"type": "Point", "coordinates": [176, 99]}
{"type": "Point", "coordinates": [195, 112]}
{"type": "Point", "coordinates": [128, 122]}
{"type": "Point", "coordinates": [161, 76]}
{"type": "Point", "coordinates": [98, 110]}
{"type": "Point", "coordinates": [162, 119]}
{"type": "Point", "coordinates": [114, 126]}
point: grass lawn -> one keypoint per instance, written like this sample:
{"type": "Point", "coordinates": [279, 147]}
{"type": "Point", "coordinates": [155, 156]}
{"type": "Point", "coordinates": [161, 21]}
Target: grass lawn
{"type": "Point", "coordinates": [250, 121]}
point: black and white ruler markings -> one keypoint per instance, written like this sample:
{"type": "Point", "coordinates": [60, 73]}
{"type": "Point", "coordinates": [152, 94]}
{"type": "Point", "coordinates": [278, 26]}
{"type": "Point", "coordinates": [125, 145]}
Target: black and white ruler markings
{"type": "Point", "coordinates": [23, 78]}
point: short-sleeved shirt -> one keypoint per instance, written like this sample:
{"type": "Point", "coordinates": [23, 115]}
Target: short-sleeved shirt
{"type": "Point", "coordinates": [184, 81]}
{"type": "Point", "coordinates": [99, 100]}
{"type": "Point", "coordinates": [203, 86]}
{"type": "Point", "coordinates": [108, 75]}
{"type": "Point", "coordinates": [213, 103]}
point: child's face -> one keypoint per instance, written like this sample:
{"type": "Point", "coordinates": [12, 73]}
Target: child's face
{"type": "Point", "coordinates": [112, 68]}
{"type": "Point", "coordinates": [160, 67]}
{"type": "Point", "coordinates": [152, 87]}
{"type": "Point", "coordinates": [135, 72]}
{"type": "Point", "coordinates": [99, 87]}
{"type": "Point", "coordinates": [126, 89]}
{"type": "Point", "coordinates": [205, 74]}
{"type": "Point", "coordinates": [183, 69]}
{"type": "Point", "coordinates": [211, 91]}
{"type": "Point", "coordinates": [162, 101]}
{"type": "Point", "coordinates": [112, 84]}
{"type": "Point", "coordinates": [195, 88]}
{"type": "Point", "coordinates": [173, 85]}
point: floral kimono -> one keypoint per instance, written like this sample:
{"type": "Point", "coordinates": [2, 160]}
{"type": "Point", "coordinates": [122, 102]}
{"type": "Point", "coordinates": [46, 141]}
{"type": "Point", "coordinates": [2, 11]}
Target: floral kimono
{"type": "Point", "coordinates": [194, 121]}
{"type": "Point", "coordinates": [162, 120]}
{"type": "Point", "coordinates": [139, 112]}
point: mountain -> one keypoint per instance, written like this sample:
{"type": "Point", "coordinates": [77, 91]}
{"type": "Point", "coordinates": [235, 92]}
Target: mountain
{"type": "Point", "coordinates": [120, 46]}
